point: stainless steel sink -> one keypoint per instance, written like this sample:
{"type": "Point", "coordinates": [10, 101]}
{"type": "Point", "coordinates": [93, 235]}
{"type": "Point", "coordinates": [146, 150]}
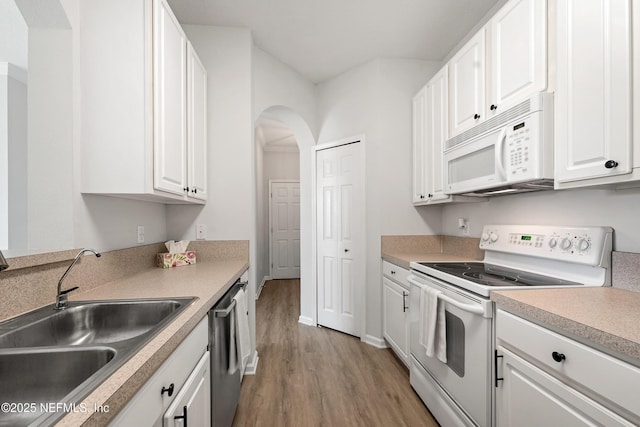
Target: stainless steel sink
{"type": "Point", "coordinates": [100, 322]}
{"type": "Point", "coordinates": [57, 357]}
{"type": "Point", "coordinates": [34, 380]}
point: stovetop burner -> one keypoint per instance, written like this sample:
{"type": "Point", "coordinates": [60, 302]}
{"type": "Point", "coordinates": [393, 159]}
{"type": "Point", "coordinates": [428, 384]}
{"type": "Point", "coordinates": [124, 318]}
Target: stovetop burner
{"type": "Point", "coordinates": [494, 275]}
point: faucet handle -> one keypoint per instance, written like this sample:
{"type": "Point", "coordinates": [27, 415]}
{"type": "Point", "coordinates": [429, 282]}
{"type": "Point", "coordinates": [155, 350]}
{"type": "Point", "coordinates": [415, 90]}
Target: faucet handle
{"type": "Point", "coordinates": [63, 298]}
{"type": "Point", "coordinates": [69, 290]}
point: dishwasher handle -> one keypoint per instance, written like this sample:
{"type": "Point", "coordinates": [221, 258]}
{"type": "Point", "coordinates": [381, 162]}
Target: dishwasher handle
{"type": "Point", "coordinates": [224, 312]}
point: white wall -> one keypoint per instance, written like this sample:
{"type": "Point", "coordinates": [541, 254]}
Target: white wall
{"type": "Point", "coordinates": [375, 99]}
{"type": "Point", "coordinates": [618, 209]}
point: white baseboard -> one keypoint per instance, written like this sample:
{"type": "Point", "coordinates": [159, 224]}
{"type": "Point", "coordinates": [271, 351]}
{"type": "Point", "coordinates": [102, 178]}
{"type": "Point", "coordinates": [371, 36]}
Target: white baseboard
{"type": "Point", "coordinates": [252, 364]}
{"type": "Point", "coordinates": [375, 341]}
{"type": "Point", "coordinates": [264, 280]}
{"type": "Point", "coordinates": [306, 321]}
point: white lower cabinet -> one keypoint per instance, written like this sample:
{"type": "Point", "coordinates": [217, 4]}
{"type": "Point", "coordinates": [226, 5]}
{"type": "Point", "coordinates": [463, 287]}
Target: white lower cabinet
{"type": "Point", "coordinates": [192, 406]}
{"type": "Point", "coordinates": [181, 378]}
{"type": "Point", "coordinates": [547, 379]}
{"type": "Point", "coordinates": [395, 311]}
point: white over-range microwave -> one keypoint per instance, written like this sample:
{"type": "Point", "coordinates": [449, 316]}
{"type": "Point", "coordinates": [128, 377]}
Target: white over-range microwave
{"type": "Point", "coordinates": [511, 152]}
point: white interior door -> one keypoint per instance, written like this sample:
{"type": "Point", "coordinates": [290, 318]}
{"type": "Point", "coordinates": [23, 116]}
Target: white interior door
{"type": "Point", "coordinates": [285, 230]}
{"type": "Point", "coordinates": [339, 237]}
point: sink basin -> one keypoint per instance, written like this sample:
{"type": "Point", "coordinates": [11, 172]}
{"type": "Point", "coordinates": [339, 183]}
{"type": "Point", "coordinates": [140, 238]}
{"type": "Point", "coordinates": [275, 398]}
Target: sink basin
{"type": "Point", "coordinates": [58, 357]}
{"type": "Point", "coordinates": [100, 322]}
{"type": "Point", "coordinates": [45, 376]}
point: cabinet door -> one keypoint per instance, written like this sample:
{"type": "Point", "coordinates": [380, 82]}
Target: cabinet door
{"type": "Point", "coordinates": [419, 135]}
{"type": "Point", "coordinates": [518, 53]}
{"type": "Point", "coordinates": [593, 94]}
{"type": "Point", "coordinates": [467, 85]}
{"type": "Point", "coordinates": [395, 300]}
{"type": "Point", "coordinates": [197, 130]}
{"type": "Point", "coordinates": [529, 397]}
{"type": "Point", "coordinates": [170, 112]}
{"type": "Point", "coordinates": [192, 405]}
{"type": "Point", "coordinates": [437, 134]}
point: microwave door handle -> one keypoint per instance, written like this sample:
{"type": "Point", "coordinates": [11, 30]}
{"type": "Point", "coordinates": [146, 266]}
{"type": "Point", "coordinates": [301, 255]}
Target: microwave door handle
{"type": "Point", "coordinates": [471, 308]}
{"type": "Point", "coordinates": [499, 148]}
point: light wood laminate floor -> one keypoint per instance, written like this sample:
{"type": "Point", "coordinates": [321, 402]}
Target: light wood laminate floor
{"type": "Point", "coordinates": [310, 376]}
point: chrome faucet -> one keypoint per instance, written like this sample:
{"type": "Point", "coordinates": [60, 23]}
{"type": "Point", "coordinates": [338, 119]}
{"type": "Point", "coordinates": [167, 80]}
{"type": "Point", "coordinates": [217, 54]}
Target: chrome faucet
{"type": "Point", "coordinates": [61, 296]}
{"type": "Point", "coordinates": [3, 262]}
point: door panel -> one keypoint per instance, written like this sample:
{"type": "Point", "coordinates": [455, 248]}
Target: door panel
{"type": "Point", "coordinates": [285, 230]}
{"type": "Point", "coordinates": [339, 237]}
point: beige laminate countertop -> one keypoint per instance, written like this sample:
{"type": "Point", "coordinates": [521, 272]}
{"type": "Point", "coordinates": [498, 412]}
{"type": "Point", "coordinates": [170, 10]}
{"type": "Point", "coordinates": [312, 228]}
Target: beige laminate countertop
{"type": "Point", "coordinates": [403, 260]}
{"type": "Point", "coordinates": [207, 280]}
{"type": "Point", "coordinates": [605, 318]}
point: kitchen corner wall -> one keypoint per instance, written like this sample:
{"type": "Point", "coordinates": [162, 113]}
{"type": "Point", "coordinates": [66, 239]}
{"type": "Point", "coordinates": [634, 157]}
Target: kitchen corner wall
{"type": "Point", "coordinates": [374, 99]}
{"type": "Point", "coordinates": [618, 209]}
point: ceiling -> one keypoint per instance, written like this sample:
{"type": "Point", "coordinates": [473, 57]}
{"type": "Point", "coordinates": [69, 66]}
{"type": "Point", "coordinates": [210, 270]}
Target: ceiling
{"type": "Point", "coordinates": [323, 38]}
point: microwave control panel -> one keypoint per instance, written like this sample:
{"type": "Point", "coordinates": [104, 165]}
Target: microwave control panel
{"type": "Point", "coordinates": [520, 150]}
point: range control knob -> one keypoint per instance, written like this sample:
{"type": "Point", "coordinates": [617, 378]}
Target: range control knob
{"type": "Point", "coordinates": [583, 245]}
{"type": "Point", "coordinates": [565, 244]}
{"type": "Point", "coordinates": [493, 237]}
{"type": "Point", "coordinates": [485, 237]}
{"type": "Point", "coordinates": [553, 242]}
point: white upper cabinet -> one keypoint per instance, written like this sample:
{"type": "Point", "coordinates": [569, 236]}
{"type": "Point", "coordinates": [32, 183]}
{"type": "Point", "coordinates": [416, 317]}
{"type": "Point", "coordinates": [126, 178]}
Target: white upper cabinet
{"type": "Point", "coordinates": [518, 52]}
{"type": "Point", "coordinates": [419, 142]}
{"type": "Point", "coordinates": [467, 85]}
{"type": "Point", "coordinates": [430, 131]}
{"type": "Point", "coordinates": [170, 101]}
{"type": "Point", "coordinates": [143, 104]}
{"type": "Point", "coordinates": [593, 100]}
{"type": "Point", "coordinates": [502, 65]}
{"type": "Point", "coordinates": [197, 126]}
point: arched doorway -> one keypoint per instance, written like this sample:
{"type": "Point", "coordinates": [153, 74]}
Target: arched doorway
{"type": "Point", "coordinates": [304, 139]}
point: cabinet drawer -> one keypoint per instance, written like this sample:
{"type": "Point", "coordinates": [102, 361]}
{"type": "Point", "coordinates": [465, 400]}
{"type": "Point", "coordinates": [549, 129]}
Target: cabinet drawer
{"type": "Point", "coordinates": [148, 405]}
{"type": "Point", "coordinates": [605, 378]}
{"type": "Point", "coordinates": [396, 273]}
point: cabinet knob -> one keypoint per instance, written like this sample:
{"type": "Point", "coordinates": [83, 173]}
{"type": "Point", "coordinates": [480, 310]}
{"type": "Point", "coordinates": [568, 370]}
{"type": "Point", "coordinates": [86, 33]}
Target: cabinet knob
{"type": "Point", "coordinates": [422, 196]}
{"type": "Point", "coordinates": [610, 164]}
{"type": "Point", "coordinates": [430, 195]}
{"type": "Point", "coordinates": [168, 390]}
{"type": "Point", "coordinates": [476, 116]}
{"type": "Point", "coordinates": [493, 107]}
{"type": "Point", "coordinates": [558, 357]}
{"type": "Point", "coordinates": [186, 189]}
{"type": "Point", "coordinates": [393, 272]}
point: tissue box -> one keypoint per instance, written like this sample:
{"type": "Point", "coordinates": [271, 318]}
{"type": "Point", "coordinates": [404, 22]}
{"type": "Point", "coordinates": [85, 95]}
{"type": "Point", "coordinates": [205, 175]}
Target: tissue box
{"type": "Point", "coordinates": [167, 260]}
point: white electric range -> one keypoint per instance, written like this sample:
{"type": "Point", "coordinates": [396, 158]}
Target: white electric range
{"type": "Point", "coordinates": [460, 391]}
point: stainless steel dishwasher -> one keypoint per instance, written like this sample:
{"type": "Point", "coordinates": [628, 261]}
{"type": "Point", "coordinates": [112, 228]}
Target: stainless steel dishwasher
{"type": "Point", "coordinates": [225, 383]}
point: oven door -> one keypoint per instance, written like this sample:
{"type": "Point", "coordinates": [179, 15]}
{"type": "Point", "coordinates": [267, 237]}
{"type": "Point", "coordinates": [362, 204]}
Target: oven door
{"type": "Point", "coordinates": [466, 377]}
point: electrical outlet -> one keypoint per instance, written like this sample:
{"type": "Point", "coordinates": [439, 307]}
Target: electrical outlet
{"type": "Point", "coordinates": [201, 232]}
{"type": "Point", "coordinates": [141, 234]}
{"type": "Point", "coordinates": [465, 230]}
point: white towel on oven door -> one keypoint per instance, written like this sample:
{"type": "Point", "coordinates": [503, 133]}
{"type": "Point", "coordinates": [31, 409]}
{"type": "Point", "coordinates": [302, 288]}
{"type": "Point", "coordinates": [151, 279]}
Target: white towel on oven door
{"type": "Point", "coordinates": [432, 325]}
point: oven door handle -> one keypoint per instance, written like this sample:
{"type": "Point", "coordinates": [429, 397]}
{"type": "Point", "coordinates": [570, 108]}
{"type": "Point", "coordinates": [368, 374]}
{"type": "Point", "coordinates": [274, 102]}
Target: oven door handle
{"type": "Point", "coordinates": [471, 308]}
